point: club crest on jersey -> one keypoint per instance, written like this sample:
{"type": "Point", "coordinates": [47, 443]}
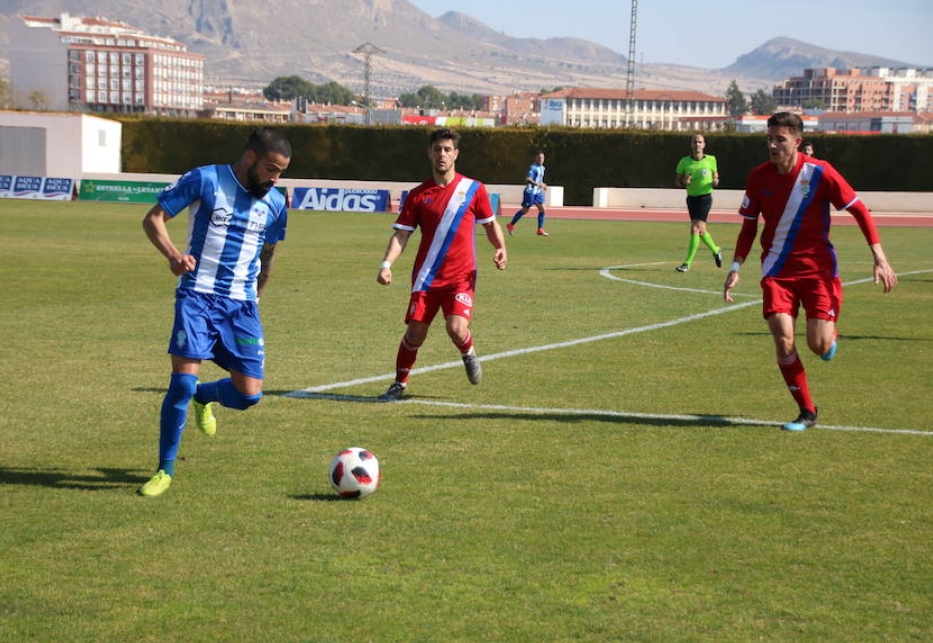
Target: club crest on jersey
{"type": "Point", "coordinates": [257, 219]}
{"type": "Point", "coordinates": [805, 187]}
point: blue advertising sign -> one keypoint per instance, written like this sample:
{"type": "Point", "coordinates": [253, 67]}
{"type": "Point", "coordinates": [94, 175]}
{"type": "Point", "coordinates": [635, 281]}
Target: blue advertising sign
{"type": "Point", "coordinates": [35, 187]}
{"type": "Point", "coordinates": [58, 189]}
{"type": "Point", "coordinates": [341, 199]}
{"type": "Point", "coordinates": [27, 187]}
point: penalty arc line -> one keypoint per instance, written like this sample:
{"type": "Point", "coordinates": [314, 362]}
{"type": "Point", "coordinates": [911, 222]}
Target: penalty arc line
{"type": "Point", "coordinates": [316, 391]}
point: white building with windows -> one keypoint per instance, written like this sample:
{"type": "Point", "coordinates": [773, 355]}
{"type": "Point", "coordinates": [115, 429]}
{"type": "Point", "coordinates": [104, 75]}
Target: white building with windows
{"type": "Point", "coordinates": [910, 88]}
{"type": "Point", "coordinates": [85, 64]}
{"type": "Point", "coordinates": [650, 109]}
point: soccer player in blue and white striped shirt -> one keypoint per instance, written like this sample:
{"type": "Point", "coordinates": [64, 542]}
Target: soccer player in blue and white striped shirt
{"type": "Point", "coordinates": [235, 220]}
{"type": "Point", "coordinates": [533, 195]}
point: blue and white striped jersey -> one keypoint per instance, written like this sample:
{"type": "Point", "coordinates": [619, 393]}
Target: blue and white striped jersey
{"type": "Point", "coordinates": [534, 175]}
{"type": "Point", "coordinates": [227, 228]}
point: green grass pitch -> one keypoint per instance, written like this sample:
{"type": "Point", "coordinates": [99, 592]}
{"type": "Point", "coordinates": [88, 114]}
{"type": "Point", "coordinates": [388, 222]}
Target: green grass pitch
{"type": "Point", "coordinates": [619, 474]}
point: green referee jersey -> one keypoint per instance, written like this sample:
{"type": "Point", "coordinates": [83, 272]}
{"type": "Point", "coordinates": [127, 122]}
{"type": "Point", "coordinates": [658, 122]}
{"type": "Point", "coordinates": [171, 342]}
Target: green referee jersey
{"type": "Point", "coordinates": [702, 172]}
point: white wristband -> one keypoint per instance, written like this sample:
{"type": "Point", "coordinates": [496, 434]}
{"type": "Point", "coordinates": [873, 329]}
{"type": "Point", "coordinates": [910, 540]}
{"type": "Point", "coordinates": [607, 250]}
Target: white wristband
{"type": "Point", "coordinates": [385, 264]}
{"type": "Point", "coordinates": [735, 266]}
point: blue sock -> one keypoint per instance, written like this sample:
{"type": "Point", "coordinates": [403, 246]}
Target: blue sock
{"type": "Point", "coordinates": [515, 217]}
{"type": "Point", "coordinates": [540, 220]}
{"type": "Point", "coordinates": [173, 417]}
{"type": "Point", "coordinates": [226, 393]}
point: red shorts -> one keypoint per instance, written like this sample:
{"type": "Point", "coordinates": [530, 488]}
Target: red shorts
{"type": "Point", "coordinates": [456, 299]}
{"type": "Point", "coordinates": [821, 297]}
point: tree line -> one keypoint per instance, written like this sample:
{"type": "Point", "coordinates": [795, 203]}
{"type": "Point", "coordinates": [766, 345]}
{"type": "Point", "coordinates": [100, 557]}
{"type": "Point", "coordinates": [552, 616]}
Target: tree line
{"type": "Point", "coordinates": [333, 93]}
{"type": "Point", "coordinates": [430, 97]}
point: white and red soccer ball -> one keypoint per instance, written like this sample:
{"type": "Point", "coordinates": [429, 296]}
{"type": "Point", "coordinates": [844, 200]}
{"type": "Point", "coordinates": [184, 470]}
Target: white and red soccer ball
{"type": "Point", "coordinates": [354, 473]}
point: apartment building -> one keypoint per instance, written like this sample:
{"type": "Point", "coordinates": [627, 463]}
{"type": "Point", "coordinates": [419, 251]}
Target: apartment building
{"type": "Point", "coordinates": [71, 63]}
{"type": "Point", "coordinates": [650, 109]}
{"type": "Point", "coordinates": [910, 88]}
{"type": "Point", "coordinates": [873, 89]}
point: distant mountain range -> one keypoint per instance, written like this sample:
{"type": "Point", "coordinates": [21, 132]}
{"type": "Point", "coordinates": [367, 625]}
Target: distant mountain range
{"type": "Point", "coordinates": [249, 43]}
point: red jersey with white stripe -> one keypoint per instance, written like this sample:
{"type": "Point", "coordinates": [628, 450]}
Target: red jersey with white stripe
{"type": "Point", "coordinates": [447, 216]}
{"type": "Point", "coordinates": [795, 208]}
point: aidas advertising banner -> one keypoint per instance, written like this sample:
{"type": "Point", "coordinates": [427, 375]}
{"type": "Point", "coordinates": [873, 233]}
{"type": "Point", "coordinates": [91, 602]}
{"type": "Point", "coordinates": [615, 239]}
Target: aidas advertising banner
{"type": "Point", "coordinates": [35, 187]}
{"type": "Point", "coordinates": [341, 200]}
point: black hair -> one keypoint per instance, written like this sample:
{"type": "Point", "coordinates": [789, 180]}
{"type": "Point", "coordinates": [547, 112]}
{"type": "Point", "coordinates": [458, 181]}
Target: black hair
{"type": "Point", "coordinates": [445, 133]}
{"type": "Point", "coordinates": [786, 119]}
{"type": "Point", "coordinates": [269, 139]}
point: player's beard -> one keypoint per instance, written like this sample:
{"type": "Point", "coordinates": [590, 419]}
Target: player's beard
{"type": "Point", "coordinates": [256, 187]}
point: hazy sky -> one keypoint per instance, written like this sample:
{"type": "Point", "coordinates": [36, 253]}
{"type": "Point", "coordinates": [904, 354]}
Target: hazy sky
{"type": "Point", "coordinates": [712, 33]}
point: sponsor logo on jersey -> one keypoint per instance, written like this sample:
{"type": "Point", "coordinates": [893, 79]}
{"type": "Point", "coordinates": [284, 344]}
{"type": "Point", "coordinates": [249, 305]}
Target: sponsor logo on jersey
{"type": "Point", "coordinates": [221, 217]}
{"type": "Point", "coordinates": [464, 298]}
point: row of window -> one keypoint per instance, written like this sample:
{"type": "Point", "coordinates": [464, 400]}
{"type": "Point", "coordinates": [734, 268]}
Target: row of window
{"type": "Point", "coordinates": [113, 98]}
{"type": "Point", "coordinates": [127, 59]}
{"type": "Point", "coordinates": [587, 104]}
{"type": "Point", "coordinates": [103, 57]}
{"type": "Point", "coordinates": [105, 70]}
{"type": "Point", "coordinates": [93, 97]}
{"type": "Point", "coordinates": [615, 124]}
{"type": "Point", "coordinates": [160, 60]}
{"type": "Point", "coordinates": [113, 84]}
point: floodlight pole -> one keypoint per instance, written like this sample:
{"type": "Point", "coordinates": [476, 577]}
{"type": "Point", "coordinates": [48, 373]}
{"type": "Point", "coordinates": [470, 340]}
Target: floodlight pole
{"type": "Point", "coordinates": [368, 49]}
{"type": "Point", "coordinates": [630, 76]}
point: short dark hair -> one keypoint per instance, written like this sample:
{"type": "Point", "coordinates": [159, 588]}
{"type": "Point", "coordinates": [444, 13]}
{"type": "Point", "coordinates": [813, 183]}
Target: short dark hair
{"type": "Point", "coordinates": [269, 139]}
{"type": "Point", "coordinates": [788, 120]}
{"type": "Point", "coordinates": [445, 134]}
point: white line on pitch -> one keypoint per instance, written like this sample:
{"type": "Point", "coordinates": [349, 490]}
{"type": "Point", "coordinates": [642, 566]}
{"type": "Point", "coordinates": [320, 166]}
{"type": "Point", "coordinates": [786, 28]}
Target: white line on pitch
{"type": "Point", "coordinates": [312, 390]}
{"type": "Point", "coordinates": [699, 420]}
{"type": "Point", "coordinates": [533, 349]}
{"type": "Point", "coordinates": [557, 345]}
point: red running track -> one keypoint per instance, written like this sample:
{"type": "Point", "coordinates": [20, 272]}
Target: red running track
{"type": "Point", "coordinates": [882, 219]}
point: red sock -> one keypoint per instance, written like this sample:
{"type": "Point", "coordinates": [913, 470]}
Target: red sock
{"type": "Point", "coordinates": [407, 354]}
{"type": "Point", "coordinates": [795, 376]}
{"type": "Point", "coordinates": [467, 344]}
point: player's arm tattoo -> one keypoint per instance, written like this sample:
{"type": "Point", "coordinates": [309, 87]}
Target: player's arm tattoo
{"type": "Point", "coordinates": [267, 259]}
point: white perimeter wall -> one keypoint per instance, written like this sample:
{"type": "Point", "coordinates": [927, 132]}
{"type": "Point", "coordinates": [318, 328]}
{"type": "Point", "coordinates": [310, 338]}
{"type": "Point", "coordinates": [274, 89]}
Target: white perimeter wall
{"type": "Point", "coordinates": [75, 143]}
{"type": "Point", "coordinates": [732, 199]}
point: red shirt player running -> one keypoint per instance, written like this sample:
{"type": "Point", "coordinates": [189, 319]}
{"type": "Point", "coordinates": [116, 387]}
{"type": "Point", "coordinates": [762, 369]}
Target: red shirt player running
{"type": "Point", "coordinates": [792, 194]}
{"type": "Point", "coordinates": [446, 208]}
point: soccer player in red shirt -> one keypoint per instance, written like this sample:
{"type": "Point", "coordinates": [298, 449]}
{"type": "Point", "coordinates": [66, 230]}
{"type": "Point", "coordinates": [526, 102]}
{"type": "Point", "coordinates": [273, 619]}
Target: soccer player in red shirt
{"type": "Point", "coordinates": [446, 207]}
{"type": "Point", "coordinates": [792, 194]}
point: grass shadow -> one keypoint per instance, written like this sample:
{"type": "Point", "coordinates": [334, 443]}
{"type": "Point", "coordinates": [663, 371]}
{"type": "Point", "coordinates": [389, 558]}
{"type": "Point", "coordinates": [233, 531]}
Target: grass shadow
{"type": "Point", "coordinates": [702, 421]}
{"type": "Point", "coordinates": [57, 479]}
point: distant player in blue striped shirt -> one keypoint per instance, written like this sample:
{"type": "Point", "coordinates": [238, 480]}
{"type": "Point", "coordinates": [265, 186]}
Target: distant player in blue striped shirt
{"type": "Point", "coordinates": [533, 195]}
{"type": "Point", "coordinates": [235, 220]}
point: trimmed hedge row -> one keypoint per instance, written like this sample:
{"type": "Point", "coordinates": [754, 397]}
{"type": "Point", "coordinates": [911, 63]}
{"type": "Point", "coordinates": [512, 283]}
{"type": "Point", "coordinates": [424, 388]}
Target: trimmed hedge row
{"type": "Point", "coordinates": [578, 160]}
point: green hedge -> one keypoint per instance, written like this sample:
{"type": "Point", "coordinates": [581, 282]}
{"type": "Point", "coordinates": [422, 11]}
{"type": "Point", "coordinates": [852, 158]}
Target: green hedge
{"type": "Point", "coordinates": [578, 160]}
